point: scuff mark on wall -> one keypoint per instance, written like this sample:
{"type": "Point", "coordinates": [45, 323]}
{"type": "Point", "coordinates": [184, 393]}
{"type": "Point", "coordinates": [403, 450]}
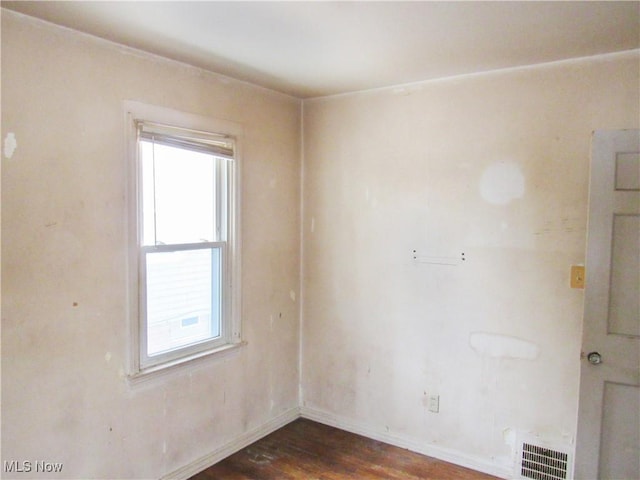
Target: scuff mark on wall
{"type": "Point", "coordinates": [562, 226]}
{"type": "Point", "coordinates": [369, 198]}
{"type": "Point", "coordinates": [501, 183]}
{"type": "Point", "coordinates": [502, 346]}
{"type": "Point", "coordinates": [10, 145]}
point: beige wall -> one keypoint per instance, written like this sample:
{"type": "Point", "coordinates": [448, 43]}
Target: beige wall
{"type": "Point", "coordinates": [495, 166]}
{"type": "Point", "coordinates": [64, 397]}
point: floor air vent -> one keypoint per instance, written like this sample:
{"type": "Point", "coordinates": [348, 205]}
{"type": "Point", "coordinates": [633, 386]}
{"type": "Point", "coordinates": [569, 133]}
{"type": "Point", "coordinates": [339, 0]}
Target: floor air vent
{"type": "Point", "coordinates": [541, 463]}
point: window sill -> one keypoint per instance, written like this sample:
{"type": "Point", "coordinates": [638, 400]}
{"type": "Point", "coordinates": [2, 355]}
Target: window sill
{"type": "Point", "coordinates": [158, 371]}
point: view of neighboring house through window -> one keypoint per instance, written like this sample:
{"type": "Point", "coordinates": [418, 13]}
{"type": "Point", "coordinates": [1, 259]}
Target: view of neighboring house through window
{"type": "Point", "coordinates": [184, 210]}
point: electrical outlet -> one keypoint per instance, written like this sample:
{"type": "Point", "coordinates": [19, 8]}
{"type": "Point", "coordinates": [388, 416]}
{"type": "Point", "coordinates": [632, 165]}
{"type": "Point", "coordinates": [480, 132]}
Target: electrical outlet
{"type": "Point", "coordinates": [434, 403]}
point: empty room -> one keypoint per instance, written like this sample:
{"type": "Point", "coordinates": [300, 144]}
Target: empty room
{"type": "Point", "coordinates": [320, 240]}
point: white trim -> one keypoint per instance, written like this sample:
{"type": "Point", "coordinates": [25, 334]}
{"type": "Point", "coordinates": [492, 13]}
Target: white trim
{"type": "Point", "coordinates": [101, 42]}
{"type": "Point", "coordinates": [179, 365]}
{"type": "Point", "coordinates": [415, 445]}
{"type": "Point", "coordinates": [402, 87]}
{"type": "Point", "coordinates": [238, 443]}
{"type": "Point", "coordinates": [301, 270]}
{"type": "Point", "coordinates": [134, 111]}
{"type": "Point", "coordinates": [234, 236]}
{"type": "Point", "coordinates": [222, 78]}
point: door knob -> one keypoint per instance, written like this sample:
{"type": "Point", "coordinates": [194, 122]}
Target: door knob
{"type": "Point", "coordinates": [594, 358]}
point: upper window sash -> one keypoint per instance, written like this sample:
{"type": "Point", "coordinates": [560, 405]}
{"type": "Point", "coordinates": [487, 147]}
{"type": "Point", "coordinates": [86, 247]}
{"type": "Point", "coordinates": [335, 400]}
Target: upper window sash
{"type": "Point", "coordinates": [215, 147]}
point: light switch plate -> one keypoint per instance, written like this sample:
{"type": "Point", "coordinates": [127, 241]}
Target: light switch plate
{"type": "Point", "coordinates": [577, 276]}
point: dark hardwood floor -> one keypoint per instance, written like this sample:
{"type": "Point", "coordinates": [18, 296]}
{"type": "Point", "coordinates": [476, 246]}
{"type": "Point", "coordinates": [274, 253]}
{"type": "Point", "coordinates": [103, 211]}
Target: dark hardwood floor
{"type": "Point", "coordinates": [307, 450]}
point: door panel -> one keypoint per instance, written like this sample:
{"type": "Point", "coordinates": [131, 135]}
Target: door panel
{"type": "Point", "coordinates": [624, 302]}
{"type": "Point", "coordinates": [608, 443]}
{"type": "Point", "coordinates": [628, 171]}
{"type": "Point", "coordinates": [620, 432]}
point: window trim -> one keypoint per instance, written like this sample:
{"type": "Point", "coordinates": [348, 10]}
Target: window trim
{"type": "Point", "coordinates": [228, 132]}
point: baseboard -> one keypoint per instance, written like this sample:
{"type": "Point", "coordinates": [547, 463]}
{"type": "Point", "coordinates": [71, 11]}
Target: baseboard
{"type": "Point", "coordinates": [343, 423]}
{"type": "Point", "coordinates": [234, 446]}
{"type": "Point", "coordinates": [447, 455]}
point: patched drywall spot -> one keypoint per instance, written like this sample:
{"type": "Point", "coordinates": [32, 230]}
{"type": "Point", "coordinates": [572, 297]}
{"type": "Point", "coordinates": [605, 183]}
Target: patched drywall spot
{"type": "Point", "coordinates": [501, 183]}
{"type": "Point", "coordinates": [502, 346]}
{"type": "Point", "coordinates": [10, 145]}
{"type": "Point", "coordinates": [107, 357]}
{"type": "Point", "coordinates": [509, 437]}
{"type": "Point", "coordinates": [313, 224]}
{"type": "Point", "coordinates": [292, 294]}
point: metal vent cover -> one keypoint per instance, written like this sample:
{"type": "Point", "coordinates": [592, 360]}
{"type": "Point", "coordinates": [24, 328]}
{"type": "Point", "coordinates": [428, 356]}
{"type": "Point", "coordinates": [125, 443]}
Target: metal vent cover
{"type": "Point", "coordinates": [540, 460]}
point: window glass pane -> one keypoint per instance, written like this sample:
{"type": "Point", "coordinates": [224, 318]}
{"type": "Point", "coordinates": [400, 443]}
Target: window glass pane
{"type": "Point", "coordinates": [178, 202]}
{"type": "Point", "coordinates": [183, 298]}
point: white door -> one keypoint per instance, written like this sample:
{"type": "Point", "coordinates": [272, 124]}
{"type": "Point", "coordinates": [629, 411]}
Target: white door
{"type": "Point", "coordinates": [608, 441]}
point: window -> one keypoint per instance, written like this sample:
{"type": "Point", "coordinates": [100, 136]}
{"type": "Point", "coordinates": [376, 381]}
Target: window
{"type": "Point", "coordinates": [185, 250]}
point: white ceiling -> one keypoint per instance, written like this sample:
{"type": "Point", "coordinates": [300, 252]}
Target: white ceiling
{"type": "Point", "coordinates": [309, 49]}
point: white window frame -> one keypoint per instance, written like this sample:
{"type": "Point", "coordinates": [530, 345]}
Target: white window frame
{"type": "Point", "coordinates": [140, 364]}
